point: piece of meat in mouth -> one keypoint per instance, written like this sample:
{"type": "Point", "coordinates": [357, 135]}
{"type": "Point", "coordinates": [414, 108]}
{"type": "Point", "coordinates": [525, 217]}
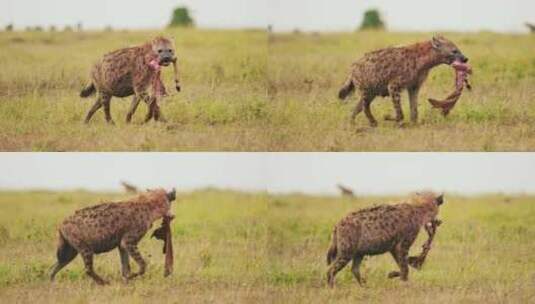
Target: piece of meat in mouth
{"type": "Point", "coordinates": [462, 70]}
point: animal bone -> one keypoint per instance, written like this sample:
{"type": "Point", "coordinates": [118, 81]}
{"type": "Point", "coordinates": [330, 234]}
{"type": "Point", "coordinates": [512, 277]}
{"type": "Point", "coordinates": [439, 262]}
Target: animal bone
{"type": "Point", "coordinates": [462, 70]}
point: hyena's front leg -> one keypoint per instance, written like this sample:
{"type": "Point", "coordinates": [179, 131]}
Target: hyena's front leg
{"type": "Point", "coordinates": [395, 93]}
{"type": "Point", "coordinates": [152, 106]}
{"type": "Point", "coordinates": [133, 107]}
{"type": "Point", "coordinates": [129, 243]}
{"type": "Point", "coordinates": [125, 263]}
{"type": "Point", "coordinates": [413, 101]}
{"type": "Point", "coordinates": [148, 100]}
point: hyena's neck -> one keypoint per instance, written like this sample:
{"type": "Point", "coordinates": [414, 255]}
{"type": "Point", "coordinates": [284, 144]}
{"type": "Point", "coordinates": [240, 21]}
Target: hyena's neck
{"type": "Point", "coordinates": [427, 211]}
{"type": "Point", "coordinates": [426, 56]}
{"type": "Point", "coordinates": [146, 50]}
{"type": "Point", "coordinates": [158, 209]}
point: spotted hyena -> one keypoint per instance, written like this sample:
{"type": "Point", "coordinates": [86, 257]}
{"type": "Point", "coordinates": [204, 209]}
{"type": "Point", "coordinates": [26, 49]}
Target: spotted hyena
{"type": "Point", "coordinates": [380, 229]}
{"type": "Point", "coordinates": [132, 71]}
{"type": "Point", "coordinates": [103, 227]}
{"type": "Point", "coordinates": [387, 72]}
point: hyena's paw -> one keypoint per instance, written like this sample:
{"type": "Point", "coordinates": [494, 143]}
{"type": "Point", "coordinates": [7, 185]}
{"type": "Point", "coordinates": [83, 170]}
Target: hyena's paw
{"type": "Point", "coordinates": [393, 274]}
{"type": "Point", "coordinates": [415, 262]}
{"type": "Point", "coordinates": [389, 117]}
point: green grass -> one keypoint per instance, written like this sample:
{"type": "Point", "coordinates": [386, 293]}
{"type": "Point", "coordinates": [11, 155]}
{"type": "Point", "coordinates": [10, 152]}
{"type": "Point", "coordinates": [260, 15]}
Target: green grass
{"type": "Point", "coordinates": [245, 91]}
{"type": "Point", "coordinates": [255, 247]}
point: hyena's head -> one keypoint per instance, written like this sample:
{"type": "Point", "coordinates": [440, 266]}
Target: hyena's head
{"type": "Point", "coordinates": [164, 49]}
{"type": "Point", "coordinates": [428, 197]}
{"type": "Point", "coordinates": [160, 200]}
{"type": "Point", "coordinates": [448, 51]}
{"type": "Point", "coordinates": [171, 195]}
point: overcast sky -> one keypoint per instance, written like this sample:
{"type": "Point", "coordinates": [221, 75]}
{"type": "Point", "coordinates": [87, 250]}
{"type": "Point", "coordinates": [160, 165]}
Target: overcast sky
{"type": "Point", "coordinates": [315, 173]}
{"type": "Point", "coordinates": [285, 15]}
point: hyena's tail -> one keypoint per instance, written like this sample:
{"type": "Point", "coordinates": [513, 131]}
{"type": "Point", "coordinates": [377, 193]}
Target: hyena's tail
{"type": "Point", "coordinates": [88, 90]}
{"type": "Point", "coordinates": [333, 250]}
{"type": "Point", "coordinates": [346, 89]}
{"type": "Point", "coordinates": [65, 254]}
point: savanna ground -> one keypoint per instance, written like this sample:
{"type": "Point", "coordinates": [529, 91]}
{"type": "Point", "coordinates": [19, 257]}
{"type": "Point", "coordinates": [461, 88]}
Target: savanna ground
{"type": "Point", "coordinates": [255, 247]}
{"type": "Point", "coordinates": [247, 91]}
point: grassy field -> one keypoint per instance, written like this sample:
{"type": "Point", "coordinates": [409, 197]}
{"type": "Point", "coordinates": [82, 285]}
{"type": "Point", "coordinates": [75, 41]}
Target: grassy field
{"type": "Point", "coordinates": [255, 247]}
{"type": "Point", "coordinates": [245, 91]}
{"type": "Point", "coordinates": [306, 72]}
{"type": "Point", "coordinates": [221, 107]}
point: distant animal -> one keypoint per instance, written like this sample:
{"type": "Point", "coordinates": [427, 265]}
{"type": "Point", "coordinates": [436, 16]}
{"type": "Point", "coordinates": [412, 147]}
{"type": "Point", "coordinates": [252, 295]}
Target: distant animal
{"type": "Point", "coordinates": [530, 26]}
{"type": "Point", "coordinates": [380, 229]}
{"type": "Point", "coordinates": [129, 188]}
{"type": "Point", "coordinates": [346, 191]}
{"type": "Point", "coordinates": [132, 71]}
{"type": "Point", "coordinates": [387, 72]}
{"type": "Point", "coordinates": [107, 226]}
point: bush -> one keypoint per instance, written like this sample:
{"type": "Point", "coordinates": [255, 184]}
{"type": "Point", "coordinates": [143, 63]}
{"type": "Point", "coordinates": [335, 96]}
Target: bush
{"type": "Point", "coordinates": [181, 17]}
{"type": "Point", "coordinates": [372, 20]}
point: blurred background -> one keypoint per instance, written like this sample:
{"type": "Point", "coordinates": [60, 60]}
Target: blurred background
{"type": "Point", "coordinates": [310, 173]}
{"type": "Point", "coordinates": [281, 15]}
{"type": "Point", "coordinates": [408, 15]}
{"type": "Point", "coordinates": [126, 14]}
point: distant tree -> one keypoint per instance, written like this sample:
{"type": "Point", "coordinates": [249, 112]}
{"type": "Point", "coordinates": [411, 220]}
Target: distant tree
{"type": "Point", "coordinates": [79, 27]}
{"type": "Point", "coordinates": [181, 17]}
{"type": "Point", "coordinates": [52, 28]}
{"type": "Point", "coordinates": [372, 20]}
{"type": "Point", "coordinates": [9, 27]}
{"type": "Point", "coordinates": [67, 28]}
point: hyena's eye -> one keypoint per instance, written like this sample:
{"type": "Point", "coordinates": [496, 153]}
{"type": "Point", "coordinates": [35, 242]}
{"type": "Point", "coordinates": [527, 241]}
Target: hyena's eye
{"type": "Point", "coordinates": [456, 52]}
{"type": "Point", "coordinates": [160, 51]}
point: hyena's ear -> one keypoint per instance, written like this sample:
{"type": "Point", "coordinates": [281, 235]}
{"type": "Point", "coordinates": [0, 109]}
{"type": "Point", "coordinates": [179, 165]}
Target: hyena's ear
{"type": "Point", "coordinates": [440, 199]}
{"type": "Point", "coordinates": [436, 41]}
{"type": "Point", "coordinates": [171, 196]}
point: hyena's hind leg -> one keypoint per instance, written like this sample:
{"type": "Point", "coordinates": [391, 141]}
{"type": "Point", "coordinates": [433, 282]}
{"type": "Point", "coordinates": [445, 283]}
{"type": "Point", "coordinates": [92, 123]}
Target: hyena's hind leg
{"type": "Point", "coordinates": [355, 268]}
{"type": "Point", "coordinates": [106, 99]}
{"type": "Point", "coordinates": [339, 263]}
{"type": "Point", "coordinates": [65, 254]}
{"type": "Point", "coordinates": [97, 105]}
{"type": "Point", "coordinates": [363, 104]}
{"type": "Point", "coordinates": [87, 255]}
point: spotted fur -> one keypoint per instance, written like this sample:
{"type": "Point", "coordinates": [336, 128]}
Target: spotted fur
{"type": "Point", "coordinates": [380, 229]}
{"type": "Point", "coordinates": [129, 71]}
{"type": "Point", "coordinates": [107, 226]}
{"type": "Point", "coordinates": [387, 72]}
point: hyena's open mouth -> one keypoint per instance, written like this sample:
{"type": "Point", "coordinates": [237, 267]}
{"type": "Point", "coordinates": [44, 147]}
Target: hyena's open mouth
{"type": "Point", "coordinates": [165, 61]}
